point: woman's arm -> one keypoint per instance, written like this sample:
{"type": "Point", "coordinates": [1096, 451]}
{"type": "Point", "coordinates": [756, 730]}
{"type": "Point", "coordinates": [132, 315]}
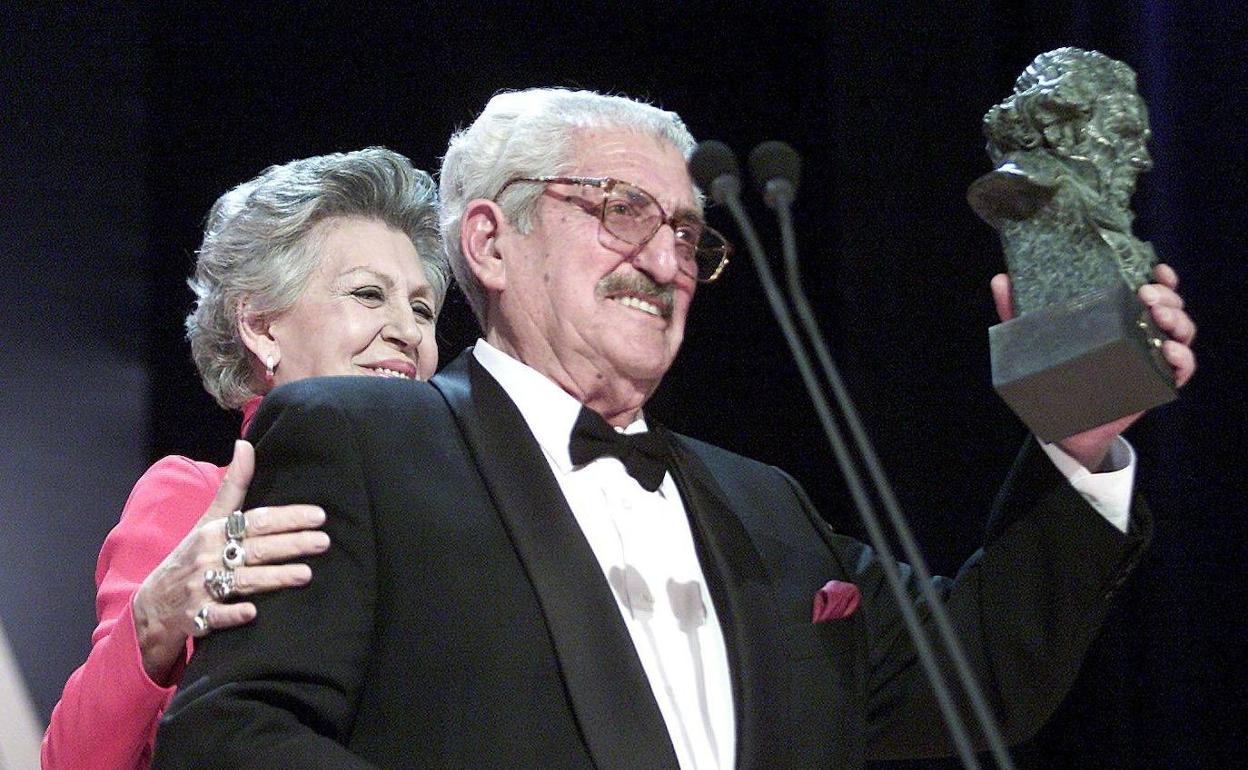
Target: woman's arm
{"type": "Point", "coordinates": [108, 712]}
{"type": "Point", "coordinates": [151, 585]}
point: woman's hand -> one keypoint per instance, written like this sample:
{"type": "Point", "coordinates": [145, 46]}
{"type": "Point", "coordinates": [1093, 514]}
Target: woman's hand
{"type": "Point", "coordinates": [166, 604]}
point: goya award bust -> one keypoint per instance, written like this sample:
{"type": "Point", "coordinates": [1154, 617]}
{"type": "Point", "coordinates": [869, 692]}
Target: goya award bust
{"type": "Point", "coordinates": [1067, 147]}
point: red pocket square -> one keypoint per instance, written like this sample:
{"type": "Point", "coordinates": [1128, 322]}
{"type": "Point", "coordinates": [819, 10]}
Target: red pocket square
{"type": "Point", "coordinates": [837, 599]}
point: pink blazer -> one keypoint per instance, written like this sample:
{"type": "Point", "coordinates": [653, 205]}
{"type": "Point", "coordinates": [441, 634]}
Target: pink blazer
{"type": "Point", "coordinates": [108, 714]}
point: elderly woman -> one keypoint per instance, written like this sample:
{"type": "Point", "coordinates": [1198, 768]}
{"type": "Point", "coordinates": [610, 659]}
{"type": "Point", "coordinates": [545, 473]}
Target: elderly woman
{"type": "Point", "coordinates": [325, 266]}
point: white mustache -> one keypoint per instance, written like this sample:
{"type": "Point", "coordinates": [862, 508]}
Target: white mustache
{"type": "Point", "coordinates": [639, 284]}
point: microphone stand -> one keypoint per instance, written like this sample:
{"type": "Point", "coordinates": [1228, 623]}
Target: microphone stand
{"type": "Point", "coordinates": [725, 189]}
{"type": "Point", "coordinates": [779, 197]}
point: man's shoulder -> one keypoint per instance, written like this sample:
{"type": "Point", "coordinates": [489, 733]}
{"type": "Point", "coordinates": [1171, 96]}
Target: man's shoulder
{"type": "Point", "coordinates": [348, 391]}
{"type": "Point", "coordinates": [355, 400]}
{"type": "Point", "coordinates": [768, 501]}
{"type": "Point", "coordinates": [720, 460]}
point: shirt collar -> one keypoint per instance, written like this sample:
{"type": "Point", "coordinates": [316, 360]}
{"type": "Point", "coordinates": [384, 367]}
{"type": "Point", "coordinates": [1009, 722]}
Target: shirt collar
{"type": "Point", "coordinates": [548, 409]}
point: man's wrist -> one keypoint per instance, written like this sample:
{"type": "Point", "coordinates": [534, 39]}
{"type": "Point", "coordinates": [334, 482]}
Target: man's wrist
{"type": "Point", "coordinates": [1108, 490]}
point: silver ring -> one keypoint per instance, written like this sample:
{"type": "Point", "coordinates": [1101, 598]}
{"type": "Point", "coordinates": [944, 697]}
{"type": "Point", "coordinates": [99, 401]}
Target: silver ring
{"type": "Point", "coordinates": [220, 583]}
{"type": "Point", "coordinates": [236, 525]}
{"type": "Point", "coordinates": [233, 555]}
{"type": "Point", "coordinates": [202, 626]}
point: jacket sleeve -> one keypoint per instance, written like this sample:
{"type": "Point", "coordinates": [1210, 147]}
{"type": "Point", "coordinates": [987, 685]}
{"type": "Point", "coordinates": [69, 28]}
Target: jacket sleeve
{"type": "Point", "coordinates": [108, 712]}
{"type": "Point", "coordinates": [282, 691]}
{"type": "Point", "coordinates": [1025, 607]}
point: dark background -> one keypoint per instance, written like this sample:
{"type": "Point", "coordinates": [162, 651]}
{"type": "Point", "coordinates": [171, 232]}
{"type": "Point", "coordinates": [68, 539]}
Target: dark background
{"type": "Point", "coordinates": [122, 122]}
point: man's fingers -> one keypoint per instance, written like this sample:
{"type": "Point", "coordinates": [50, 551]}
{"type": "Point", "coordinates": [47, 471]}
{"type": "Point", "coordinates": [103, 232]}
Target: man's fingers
{"type": "Point", "coordinates": [1166, 275]}
{"type": "Point", "coordinates": [1175, 323]}
{"type": "Point", "coordinates": [1001, 296]}
{"type": "Point", "coordinates": [1181, 358]}
{"type": "Point", "coordinates": [1166, 307]}
{"type": "Point", "coordinates": [1160, 295]}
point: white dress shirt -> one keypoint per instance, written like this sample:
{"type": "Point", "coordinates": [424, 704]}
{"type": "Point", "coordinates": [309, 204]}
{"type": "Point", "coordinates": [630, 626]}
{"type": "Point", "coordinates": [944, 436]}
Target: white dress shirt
{"type": "Point", "coordinates": [1108, 492]}
{"type": "Point", "coordinates": [645, 548]}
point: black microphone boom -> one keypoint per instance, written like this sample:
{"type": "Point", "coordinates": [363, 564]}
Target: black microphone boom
{"type": "Point", "coordinates": [714, 169]}
{"type": "Point", "coordinates": [776, 168]}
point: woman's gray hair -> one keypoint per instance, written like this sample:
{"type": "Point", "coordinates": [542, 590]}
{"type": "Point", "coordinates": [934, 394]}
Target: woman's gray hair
{"type": "Point", "coordinates": [529, 134]}
{"type": "Point", "coordinates": [261, 245]}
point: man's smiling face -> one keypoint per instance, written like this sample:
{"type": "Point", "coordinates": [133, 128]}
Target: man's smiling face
{"type": "Point", "coordinates": [577, 298]}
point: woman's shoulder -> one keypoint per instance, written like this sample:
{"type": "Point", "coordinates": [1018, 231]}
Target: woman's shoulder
{"type": "Point", "coordinates": [164, 505]}
{"type": "Point", "coordinates": [182, 473]}
{"type": "Point", "coordinates": [174, 485]}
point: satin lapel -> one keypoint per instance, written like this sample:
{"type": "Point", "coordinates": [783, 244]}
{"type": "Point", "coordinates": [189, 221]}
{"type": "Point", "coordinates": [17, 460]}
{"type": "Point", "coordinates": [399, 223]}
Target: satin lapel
{"type": "Point", "coordinates": [606, 683]}
{"type": "Point", "coordinates": [746, 605]}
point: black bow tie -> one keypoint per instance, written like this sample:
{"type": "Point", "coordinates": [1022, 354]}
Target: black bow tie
{"type": "Point", "coordinates": [643, 454]}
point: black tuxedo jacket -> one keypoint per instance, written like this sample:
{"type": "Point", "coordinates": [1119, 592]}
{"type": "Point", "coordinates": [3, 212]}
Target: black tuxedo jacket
{"type": "Point", "coordinates": [460, 619]}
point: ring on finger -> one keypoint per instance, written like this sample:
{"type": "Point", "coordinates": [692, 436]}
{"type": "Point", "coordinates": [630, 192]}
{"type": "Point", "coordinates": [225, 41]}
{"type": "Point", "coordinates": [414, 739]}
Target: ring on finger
{"type": "Point", "coordinates": [236, 525]}
{"type": "Point", "coordinates": [220, 583]}
{"type": "Point", "coordinates": [202, 624]}
{"type": "Point", "coordinates": [233, 555]}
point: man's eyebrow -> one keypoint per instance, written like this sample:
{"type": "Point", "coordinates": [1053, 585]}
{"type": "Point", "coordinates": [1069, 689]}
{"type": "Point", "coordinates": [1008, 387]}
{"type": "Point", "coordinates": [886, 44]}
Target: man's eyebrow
{"type": "Point", "coordinates": [688, 214]}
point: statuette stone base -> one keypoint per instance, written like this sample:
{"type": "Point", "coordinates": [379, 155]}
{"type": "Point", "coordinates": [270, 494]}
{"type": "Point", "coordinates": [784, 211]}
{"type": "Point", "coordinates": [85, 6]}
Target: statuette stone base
{"type": "Point", "coordinates": [1072, 366]}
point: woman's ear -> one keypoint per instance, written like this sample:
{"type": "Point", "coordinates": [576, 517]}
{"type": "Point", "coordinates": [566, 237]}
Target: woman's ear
{"type": "Point", "coordinates": [480, 228]}
{"type": "Point", "coordinates": [253, 329]}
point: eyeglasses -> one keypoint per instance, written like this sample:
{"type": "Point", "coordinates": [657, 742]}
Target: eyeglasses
{"type": "Point", "coordinates": [634, 216]}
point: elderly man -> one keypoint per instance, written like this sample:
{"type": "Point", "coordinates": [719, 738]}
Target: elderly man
{"type": "Point", "coordinates": [525, 573]}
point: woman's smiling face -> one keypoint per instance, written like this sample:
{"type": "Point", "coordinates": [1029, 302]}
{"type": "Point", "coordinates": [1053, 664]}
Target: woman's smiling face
{"type": "Point", "coordinates": [368, 308]}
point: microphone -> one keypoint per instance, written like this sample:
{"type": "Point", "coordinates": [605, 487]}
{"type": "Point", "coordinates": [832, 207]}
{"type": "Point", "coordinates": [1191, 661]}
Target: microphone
{"type": "Point", "coordinates": [714, 169]}
{"type": "Point", "coordinates": [777, 169]}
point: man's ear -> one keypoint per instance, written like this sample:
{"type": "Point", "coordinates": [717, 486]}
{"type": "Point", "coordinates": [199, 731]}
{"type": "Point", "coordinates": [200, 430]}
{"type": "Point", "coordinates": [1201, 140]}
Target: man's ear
{"type": "Point", "coordinates": [479, 231]}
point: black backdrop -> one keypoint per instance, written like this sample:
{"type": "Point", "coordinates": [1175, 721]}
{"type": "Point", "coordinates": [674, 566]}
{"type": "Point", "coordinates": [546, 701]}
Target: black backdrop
{"type": "Point", "coordinates": [883, 101]}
